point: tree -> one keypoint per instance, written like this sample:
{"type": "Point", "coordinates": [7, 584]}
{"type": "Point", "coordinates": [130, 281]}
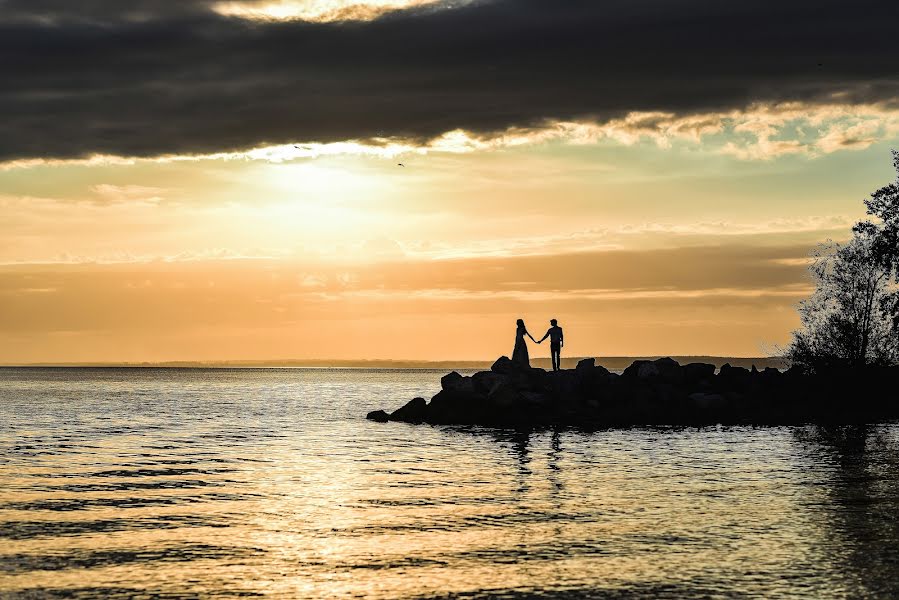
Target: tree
{"type": "Point", "coordinates": [847, 323]}
{"type": "Point", "coordinates": [884, 204]}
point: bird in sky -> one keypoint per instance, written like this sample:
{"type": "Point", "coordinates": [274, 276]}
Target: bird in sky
{"type": "Point", "coordinates": [400, 165]}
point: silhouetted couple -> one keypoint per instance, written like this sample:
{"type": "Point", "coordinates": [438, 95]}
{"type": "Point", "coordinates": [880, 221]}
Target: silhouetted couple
{"type": "Point", "coordinates": [556, 341]}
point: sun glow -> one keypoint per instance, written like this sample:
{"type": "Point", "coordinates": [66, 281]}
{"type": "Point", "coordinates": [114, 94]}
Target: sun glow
{"type": "Point", "coordinates": [317, 10]}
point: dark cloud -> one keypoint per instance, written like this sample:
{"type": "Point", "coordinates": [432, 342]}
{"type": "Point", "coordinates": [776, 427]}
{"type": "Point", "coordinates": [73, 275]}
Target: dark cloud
{"type": "Point", "coordinates": [174, 77]}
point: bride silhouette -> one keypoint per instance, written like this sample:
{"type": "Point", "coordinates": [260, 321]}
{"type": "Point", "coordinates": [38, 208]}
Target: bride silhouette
{"type": "Point", "coordinates": [520, 353]}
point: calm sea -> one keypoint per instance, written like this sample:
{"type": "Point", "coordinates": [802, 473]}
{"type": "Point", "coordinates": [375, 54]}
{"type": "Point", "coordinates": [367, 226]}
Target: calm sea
{"type": "Point", "coordinates": [170, 483]}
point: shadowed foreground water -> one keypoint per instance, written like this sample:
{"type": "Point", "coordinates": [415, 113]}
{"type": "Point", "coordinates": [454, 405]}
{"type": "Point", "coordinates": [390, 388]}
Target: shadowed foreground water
{"type": "Point", "coordinates": [223, 483]}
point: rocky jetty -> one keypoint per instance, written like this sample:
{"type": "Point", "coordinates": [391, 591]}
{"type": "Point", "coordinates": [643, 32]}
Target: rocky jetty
{"type": "Point", "coordinates": [658, 392]}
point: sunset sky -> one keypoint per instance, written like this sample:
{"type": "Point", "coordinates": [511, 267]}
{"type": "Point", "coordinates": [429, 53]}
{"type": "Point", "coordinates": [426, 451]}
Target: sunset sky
{"type": "Point", "coordinates": [218, 180]}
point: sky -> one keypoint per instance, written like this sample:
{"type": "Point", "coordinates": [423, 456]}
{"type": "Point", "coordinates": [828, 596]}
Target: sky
{"type": "Point", "coordinates": [207, 180]}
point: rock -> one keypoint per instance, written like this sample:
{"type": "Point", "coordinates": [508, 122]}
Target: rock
{"type": "Point", "coordinates": [378, 415]}
{"type": "Point", "coordinates": [632, 370]}
{"type": "Point", "coordinates": [669, 370]}
{"type": "Point", "coordinates": [536, 379]}
{"type": "Point", "coordinates": [534, 398]}
{"type": "Point", "coordinates": [591, 379]}
{"type": "Point", "coordinates": [729, 371]}
{"type": "Point", "coordinates": [696, 372]}
{"type": "Point", "coordinates": [564, 383]}
{"type": "Point", "coordinates": [448, 382]}
{"type": "Point", "coordinates": [732, 378]}
{"type": "Point", "coordinates": [453, 382]}
{"type": "Point", "coordinates": [486, 382]}
{"type": "Point", "coordinates": [586, 363]}
{"type": "Point", "coordinates": [505, 396]}
{"type": "Point", "coordinates": [647, 371]}
{"type": "Point", "coordinates": [413, 412]}
{"type": "Point", "coordinates": [665, 368]}
{"type": "Point", "coordinates": [504, 365]}
{"type": "Point", "coordinates": [658, 392]}
{"type": "Point", "coordinates": [706, 401]}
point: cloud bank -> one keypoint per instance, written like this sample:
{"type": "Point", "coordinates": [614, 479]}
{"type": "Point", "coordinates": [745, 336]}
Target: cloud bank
{"type": "Point", "coordinates": [143, 79]}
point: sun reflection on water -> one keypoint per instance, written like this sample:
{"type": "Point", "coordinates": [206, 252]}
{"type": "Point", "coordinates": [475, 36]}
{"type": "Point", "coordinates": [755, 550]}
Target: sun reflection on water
{"type": "Point", "coordinates": [218, 483]}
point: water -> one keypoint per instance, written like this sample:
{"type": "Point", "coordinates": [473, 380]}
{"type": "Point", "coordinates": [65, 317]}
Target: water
{"type": "Point", "coordinates": [122, 483]}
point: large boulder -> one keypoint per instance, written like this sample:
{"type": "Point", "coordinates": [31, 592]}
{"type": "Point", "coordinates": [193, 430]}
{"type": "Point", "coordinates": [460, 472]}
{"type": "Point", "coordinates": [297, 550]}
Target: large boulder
{"type": "Point", "coordinates": [731, 378]}
{"type": "Point", "coordinates": [695, 373]}
{"type": "Point", "coordinates": [504, 365]}
{"type": "Point", "coordinates": [378, 416]}
{"type": "Point", "coordinates": [535, 379]}
{"type": "Point", "coordinates": [504, 396]}
{"type": "Point", "coordinates": [666, 369]}
{"type": "Point", "coordinates": [413, 411]}
{"type": "Point", "coordinates": [457, 384]}
{"type": "Point", "coordinates": [648, 371]}
{"type": "Point", "coordinates": [585, 364]}
{"type": "Point", "coordinates": [640, 369]}
{"type": "Point", "coordinates": [564, 384]}
{"type": "Point", "coordinates": [771, 375]}
{"type": "Point", "coordinates": [669, 370]}
{"type": "Point", "coordinates": [591, 378]}
{"type": "Point", "coordinates": [485, 382]}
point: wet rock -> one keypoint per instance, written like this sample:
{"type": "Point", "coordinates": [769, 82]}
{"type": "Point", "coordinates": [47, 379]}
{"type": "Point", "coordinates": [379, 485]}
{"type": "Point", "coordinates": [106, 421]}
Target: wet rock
{"type": "Point", "coordinates": [378, 415]}
{"type": "Point", "coordinates": [413, 412]}
{"type": "Point", "coordinates": [449, 381]}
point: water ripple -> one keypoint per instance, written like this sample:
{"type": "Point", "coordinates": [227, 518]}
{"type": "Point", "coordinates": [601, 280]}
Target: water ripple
{"type": "Point", "coordinates": [177, 484]}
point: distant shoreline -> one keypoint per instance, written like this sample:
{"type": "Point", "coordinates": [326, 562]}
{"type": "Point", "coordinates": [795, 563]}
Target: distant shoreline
{"type": "Point", "coordinates": [610, 362]}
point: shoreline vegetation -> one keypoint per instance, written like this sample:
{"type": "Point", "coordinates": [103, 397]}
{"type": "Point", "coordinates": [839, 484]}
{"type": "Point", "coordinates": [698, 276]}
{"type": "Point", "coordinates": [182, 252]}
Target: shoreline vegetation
{"type": "Point", "coordinates": [654, 393]}
{"type": "Point", "coordinates": [613, 363]}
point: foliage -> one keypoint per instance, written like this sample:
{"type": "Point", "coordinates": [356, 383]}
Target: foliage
{"type": "Point", "coordinates": [847, 322]}
{"type": "Point", "coordinates": [884, 205]}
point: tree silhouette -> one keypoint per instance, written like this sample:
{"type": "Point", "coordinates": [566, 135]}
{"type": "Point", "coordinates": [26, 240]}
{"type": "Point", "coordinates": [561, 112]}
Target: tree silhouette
{"type": "Point", "coordinates": [845, 323]}
{"type": "Point", "coordinates": [884, 204]}
{"type": "Point", "coordinates": [852, 319]}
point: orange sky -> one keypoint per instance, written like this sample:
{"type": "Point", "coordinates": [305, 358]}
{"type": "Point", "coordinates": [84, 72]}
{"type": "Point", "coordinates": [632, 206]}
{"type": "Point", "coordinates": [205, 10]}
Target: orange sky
{"type": "Point", "coordinates": [229, 260]}
{"type": "Point", "coordinates": [646, 232]}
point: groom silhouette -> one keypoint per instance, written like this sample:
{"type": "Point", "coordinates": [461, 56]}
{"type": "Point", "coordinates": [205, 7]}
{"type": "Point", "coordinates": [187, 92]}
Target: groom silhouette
{"type": "Point", "coordinates": [556, 341]}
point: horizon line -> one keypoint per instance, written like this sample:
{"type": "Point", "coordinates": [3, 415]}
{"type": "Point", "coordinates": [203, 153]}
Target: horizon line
{"type": "Point", "coordinates": [370, 363]}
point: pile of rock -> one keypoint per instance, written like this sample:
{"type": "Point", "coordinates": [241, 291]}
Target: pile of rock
{"type": "Point", "coordinates": [657, 392]}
